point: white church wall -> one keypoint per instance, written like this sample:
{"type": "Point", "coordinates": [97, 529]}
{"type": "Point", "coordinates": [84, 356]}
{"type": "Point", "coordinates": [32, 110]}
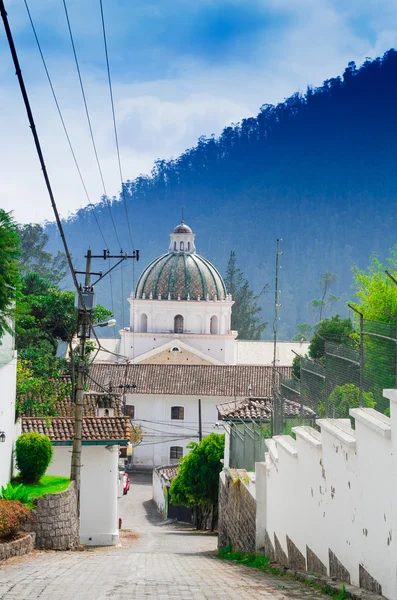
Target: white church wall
{"type": "Point", "coordinates": [221, 348]}
{"type": "Point", "coordinates": [7, 417]}
{"type": "Point", "coordinates": [99, 487]}
{"type": "Point", "coordinates": [153, 413]}
{"type": "Point", "coordinates": [333, 496]}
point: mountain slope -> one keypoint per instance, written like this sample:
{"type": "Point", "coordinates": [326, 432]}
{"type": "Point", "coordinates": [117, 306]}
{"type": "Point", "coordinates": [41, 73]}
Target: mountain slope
{"type": "Point", "coordinates": [317, 170]}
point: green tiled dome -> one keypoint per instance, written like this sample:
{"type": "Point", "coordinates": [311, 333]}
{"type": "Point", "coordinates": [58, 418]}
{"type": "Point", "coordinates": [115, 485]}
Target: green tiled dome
{"type": "Point", "coordinates": [181, 275]}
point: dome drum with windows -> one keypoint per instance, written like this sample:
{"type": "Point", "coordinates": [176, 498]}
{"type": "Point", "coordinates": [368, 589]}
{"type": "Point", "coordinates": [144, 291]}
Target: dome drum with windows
{"type": "Point", "coordinates": [181, 274]}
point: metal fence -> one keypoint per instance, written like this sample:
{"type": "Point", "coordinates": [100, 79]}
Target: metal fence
{"type": "Point", "coordinates": [6, 349]}
{"type": "Point", "coordinates": [352, 373]}
{"type": "Point", "coordinates": [247, 444]}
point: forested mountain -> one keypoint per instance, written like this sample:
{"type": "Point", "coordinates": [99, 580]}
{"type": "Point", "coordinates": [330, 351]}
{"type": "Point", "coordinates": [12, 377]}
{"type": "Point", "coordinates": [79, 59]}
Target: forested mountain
{"type": "Point", "coordinates": [318, 170]}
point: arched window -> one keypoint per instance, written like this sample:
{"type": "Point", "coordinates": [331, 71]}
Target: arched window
{"type": "Point", "coordinates": [143, 322]}
{"type": "Point", "coordinates": [177, 412]}
{"type": "Point", "coordinates": [178, 324]}
{"type": "Point", "coordinates": [176, 453]}
{"type": "Point", "coordinates": [106, 412]}
{"type": "Point", "coordinates": [174, 245]}
{"type": "Point", "coordinates": [188, 246]}
{"type": "Point", "coordinates": [214, 324]}
{"type": "Point", "coordinates": [181, 246]}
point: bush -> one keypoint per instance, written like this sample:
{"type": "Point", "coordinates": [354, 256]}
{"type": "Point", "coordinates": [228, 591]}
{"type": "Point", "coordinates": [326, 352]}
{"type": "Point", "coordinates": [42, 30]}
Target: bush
{"type": "Point", "coordinates": [18, 492]}
{"type": "Point", "coordinates": [33, 452]}
{"type": "Point", "coordinates": [13, 515]}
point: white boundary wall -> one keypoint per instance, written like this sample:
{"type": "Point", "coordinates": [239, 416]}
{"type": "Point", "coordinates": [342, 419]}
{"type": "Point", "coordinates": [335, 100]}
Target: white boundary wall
{"type": "Point", "coordinates": [7, 418]}
{"type": "Point", "coordinates": [99, 491]}
{"type": "Point", "coordinates": [334, 493]}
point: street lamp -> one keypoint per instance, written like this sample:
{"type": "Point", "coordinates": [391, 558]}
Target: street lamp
{"type": "Point", "coordinates": [109, 323]}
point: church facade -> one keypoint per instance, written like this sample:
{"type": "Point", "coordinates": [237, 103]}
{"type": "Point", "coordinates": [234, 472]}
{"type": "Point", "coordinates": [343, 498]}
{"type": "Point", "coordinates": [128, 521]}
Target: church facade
{"type": "Point", "coordinates": [180, 311]}
{"type": "Point", "coordinates": [182, 353]}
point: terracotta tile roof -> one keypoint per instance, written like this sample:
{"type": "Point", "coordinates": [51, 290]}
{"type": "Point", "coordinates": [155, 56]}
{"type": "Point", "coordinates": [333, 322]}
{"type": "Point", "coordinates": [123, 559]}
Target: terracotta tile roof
{"type": "Point", "coordinates": [169, 472]}
{"type": "Point", "coordinates": [94, 428]}
{"type": "Point", "coordinates": [65, 407]}
{"type": "Point", "coordinates": [205, 380]}
{"type": "Point", "coordinates": [260, 409]}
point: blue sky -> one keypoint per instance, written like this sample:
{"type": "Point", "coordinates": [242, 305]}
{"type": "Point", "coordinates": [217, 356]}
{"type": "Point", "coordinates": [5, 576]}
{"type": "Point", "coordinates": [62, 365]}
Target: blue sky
{"type": "Point", "coordinates": [180, 70]}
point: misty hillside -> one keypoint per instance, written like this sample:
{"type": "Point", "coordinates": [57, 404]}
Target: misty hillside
{"type": "Point", "coordinates": [317, 170]}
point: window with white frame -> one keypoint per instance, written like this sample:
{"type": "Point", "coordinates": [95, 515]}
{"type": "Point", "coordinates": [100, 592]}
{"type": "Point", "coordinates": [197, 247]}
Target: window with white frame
{"type": "Point", "coordinates": [176, 453]}
{"type": "Point", "coordinates": [130, 411]}
{"type": "Point", "coordinates": [177, 413]}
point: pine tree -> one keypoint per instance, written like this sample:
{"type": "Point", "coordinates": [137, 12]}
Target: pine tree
{"type": "Point", "coordinates": [245, 312]}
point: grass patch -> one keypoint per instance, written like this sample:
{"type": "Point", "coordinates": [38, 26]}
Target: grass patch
{"type": "Point", "coordinates": [261, 562]}
{"type": "Point", "coordinates": [48, 484]}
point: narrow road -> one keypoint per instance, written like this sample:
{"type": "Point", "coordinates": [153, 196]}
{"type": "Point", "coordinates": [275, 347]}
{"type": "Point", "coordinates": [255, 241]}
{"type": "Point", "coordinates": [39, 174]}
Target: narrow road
{"type": "Point", "coordinates": [156, 561]}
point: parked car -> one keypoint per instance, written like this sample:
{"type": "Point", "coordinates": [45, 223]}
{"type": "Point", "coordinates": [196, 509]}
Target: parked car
{"type": "Point", "coordinates": [126, 483]}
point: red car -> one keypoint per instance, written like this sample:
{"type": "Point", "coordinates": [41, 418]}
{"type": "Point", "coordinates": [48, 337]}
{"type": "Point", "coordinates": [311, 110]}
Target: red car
{"type": "Point", "coordinates": [126, 483]}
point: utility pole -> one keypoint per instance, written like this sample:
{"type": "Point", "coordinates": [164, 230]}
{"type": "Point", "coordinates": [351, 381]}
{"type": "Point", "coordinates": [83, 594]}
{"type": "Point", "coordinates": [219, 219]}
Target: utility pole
{"type": "Point", "coordinates": [275, 429]}
{"type": "Point", "coordinates": [83, 333]}
{"type": "Point", "coordinates": [85, 304]}
{"type": "Point", "coordinates": [361, 352]}
{"type": "Point", "coordinates": [199, 421]}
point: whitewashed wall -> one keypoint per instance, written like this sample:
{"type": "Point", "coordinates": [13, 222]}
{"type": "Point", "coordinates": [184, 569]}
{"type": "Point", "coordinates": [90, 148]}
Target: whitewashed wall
{"type": "Point", "coordinates": [160, 493]}
{"type": "Point", "coordinates": [334, 492]}
{"type": "Point", "coordinates": [7, 418]}
{"type": "Point", "coordinates": [153, 413]}
{"type": "Point", "coordinates": [99, 487]}
{"type": "Point", "coordinates": [160, 314]}
{"type": "Point", "coordinates": [220, 347]}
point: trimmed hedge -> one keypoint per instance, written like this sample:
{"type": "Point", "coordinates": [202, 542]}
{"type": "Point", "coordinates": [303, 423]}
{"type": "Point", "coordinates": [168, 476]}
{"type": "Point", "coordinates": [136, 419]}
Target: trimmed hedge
{"type": "Point", "coordinates": [33, 453]}
{"type": "Point", "coordinates": [13, 515]}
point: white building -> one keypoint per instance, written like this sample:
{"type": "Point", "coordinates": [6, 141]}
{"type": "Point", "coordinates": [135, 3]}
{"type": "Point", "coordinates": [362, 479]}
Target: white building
{"type": "Point", "coordinates": [100, 480]}
{"type": "Point", "coordinates": [180, 348]}
{"type": "Point", "coordinates": [181, 313]}
{"type": "Point", "coordinates": [8, 428]}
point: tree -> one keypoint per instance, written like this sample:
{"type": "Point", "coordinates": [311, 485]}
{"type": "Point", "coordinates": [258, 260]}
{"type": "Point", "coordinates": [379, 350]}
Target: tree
{"type": "Point", "coordinates": [45, 317]}
{"type": "Point", "coordinates": [319, 305]}
{"type": "Point", "coordinates": [304, 332]}
{"type": "Point", "coordinates": [245, 312]}
{"type": "Point", "coordinates": [335, 330]}
{"type": "Point", "coordinates": [197, 481]}
{"type": "Point", "coordinates": [35, 259]}
{"type": "Point", "coordinates": [9, 273]}
{"type": "Point", "coordinates": [342, 398]}
{"type": "Point", "coordinates": [377, 301]}
{"type": "Point", "coordinates": [376, 292]}
{"type": "Point", "coordinates": [40, 384]}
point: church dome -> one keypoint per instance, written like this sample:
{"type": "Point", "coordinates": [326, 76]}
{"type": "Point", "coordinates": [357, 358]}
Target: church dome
{"type": "Point", "coordinates": [182, 228]}
{"type": "Point", "coordinates": [181, 273]}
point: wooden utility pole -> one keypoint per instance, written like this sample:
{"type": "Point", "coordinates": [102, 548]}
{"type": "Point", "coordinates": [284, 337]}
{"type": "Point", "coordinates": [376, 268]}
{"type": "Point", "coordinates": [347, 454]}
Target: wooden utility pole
{"type": "Point", "coordinates": [84, 333]}
{"type": "Point", "coordinates": [200, 432]}
{"type": "Point", "coordinates": [85, 308]}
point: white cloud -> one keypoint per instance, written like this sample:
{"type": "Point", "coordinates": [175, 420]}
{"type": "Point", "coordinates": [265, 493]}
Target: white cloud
{"type": "Point", "coordinates": [160, 118]}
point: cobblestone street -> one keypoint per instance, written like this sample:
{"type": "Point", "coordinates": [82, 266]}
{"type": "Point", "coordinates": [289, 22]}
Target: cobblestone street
{"type": "Point", "coordinates": [168, 562]}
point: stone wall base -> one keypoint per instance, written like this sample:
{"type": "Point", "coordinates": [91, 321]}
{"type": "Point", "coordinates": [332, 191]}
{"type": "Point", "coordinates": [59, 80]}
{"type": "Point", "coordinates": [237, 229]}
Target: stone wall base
{"type": "Point", "coordinates": [19, 547]}
{"type": "Point", "coordinates": [55, 520]}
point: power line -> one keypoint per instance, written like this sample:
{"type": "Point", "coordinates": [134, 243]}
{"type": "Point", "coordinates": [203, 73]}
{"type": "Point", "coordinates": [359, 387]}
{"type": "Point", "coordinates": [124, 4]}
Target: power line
{"type": "Point", "coordinates": [89, 121]}
{"type": "Point", "coordinates": [114, 123]}
{"type": "Point", "coordinates": [68, 138]}
{"type": "Point", "coordinates": [38, 147]}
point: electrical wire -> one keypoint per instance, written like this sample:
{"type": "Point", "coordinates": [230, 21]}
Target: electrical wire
{"type": "Point", "coordinates": [63, 121]}
{"type": "Point", "coordinates": [90, 204]}
{"type": "Point", "coordinates": [89, 121]}
{"type": "Point", "coordinates": [114, 124]}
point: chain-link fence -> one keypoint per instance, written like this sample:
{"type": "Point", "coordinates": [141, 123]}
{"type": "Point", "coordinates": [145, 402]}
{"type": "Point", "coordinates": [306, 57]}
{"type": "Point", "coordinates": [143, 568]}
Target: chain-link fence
{"type": "Point", "coordinates": [351, 374]}
{"type": "Point", "coordinates": [247, 444]}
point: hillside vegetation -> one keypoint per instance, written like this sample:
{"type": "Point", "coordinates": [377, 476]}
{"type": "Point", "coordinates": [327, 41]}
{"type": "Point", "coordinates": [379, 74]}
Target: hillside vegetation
{"type": "Point", "coordinates": [318, 170]}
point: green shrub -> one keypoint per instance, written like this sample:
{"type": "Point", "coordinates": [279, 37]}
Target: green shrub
{"type": "Point", "coordinates": [33, 452]}
{"type": "Point", "coordinates": [18, 492]}
{"type": "Point", "coordinates": [13, 515]}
